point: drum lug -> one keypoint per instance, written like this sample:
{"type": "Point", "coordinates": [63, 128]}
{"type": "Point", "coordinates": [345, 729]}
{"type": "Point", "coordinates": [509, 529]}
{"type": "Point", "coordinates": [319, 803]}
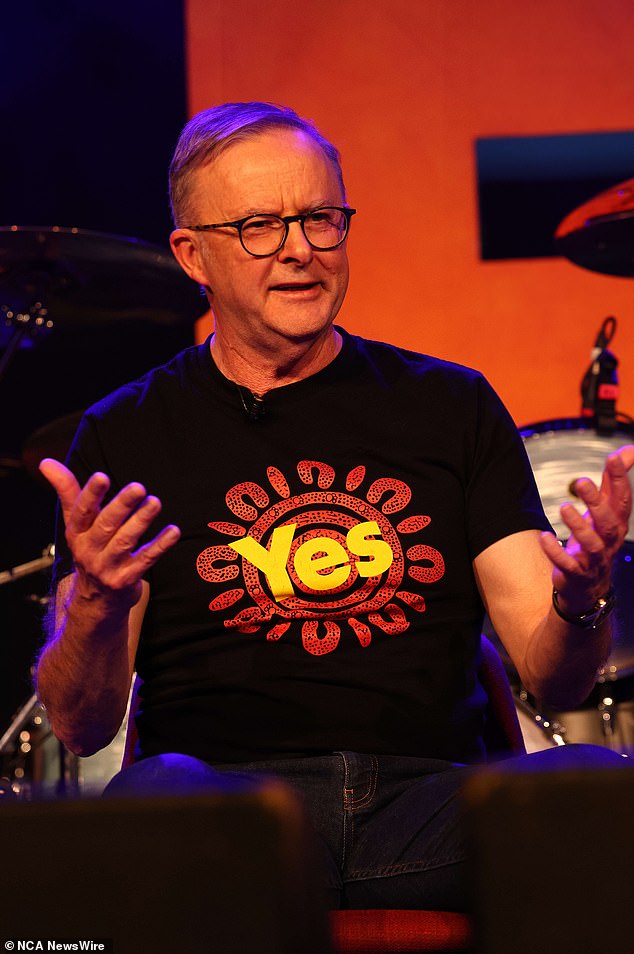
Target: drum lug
{"type": "Point", "coordinates": [607, 711]}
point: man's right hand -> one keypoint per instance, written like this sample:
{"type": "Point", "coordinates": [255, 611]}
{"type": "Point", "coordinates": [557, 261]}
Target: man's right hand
{"type": "Point", "coordinates": [103, 539]}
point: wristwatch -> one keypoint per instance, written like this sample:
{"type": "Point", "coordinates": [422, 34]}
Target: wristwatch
{"type": "Point", "coordinates": [600, 611]}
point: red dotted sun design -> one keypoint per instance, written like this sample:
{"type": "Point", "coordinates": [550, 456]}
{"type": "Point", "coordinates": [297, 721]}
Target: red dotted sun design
{"type": "Point", "coordinates": [330, 558]}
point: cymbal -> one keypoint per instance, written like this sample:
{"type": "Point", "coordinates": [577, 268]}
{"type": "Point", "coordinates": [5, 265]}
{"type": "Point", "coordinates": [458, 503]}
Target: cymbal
{"type": "Point", "coordinates": [599, 235]}
{"type": "Point", "coordinates": [50, 440]}
{"type": "Point", "coordinates": [85, 277]}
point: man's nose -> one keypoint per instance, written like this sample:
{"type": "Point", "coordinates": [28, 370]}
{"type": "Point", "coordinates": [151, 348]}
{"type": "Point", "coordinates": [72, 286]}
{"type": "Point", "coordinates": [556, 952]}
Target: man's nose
{"type": "Point", "coordinates": [296, 247]}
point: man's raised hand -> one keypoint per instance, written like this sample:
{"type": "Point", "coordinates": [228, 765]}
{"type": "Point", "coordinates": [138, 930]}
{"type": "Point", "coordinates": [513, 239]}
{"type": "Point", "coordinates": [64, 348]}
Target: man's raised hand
{"type": "Point", "coordinates": [103, 539]}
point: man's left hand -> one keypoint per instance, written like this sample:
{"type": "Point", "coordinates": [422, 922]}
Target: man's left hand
{"type": "Point", "coordinates": [582, 570]}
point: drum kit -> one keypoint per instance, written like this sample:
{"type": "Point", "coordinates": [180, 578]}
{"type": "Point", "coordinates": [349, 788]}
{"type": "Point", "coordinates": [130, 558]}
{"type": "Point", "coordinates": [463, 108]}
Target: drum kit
{"type": "Point", "coordinates": [560, 451]}
{"type": "Point", "coordinates": [87, 288]}
{"type": "Point", "coordinates": [70, 277]}
{"type": "Point", "coordinates": [599, 236]}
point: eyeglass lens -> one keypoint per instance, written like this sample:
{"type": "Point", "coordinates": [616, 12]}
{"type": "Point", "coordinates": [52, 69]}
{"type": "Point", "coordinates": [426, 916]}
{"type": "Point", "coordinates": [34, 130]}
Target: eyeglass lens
{"type": "Point", "coordinates": [264, 234]}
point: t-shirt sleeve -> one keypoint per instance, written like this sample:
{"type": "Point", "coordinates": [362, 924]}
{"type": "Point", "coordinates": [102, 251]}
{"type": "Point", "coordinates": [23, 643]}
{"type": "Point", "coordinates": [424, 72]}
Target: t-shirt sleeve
{"type": "Point", "coordinates": [501, 494]}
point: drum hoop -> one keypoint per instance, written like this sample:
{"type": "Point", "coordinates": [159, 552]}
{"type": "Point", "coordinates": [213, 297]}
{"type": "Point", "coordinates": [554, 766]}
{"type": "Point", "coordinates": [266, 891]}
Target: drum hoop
{"type": "Point", "coordinates": [572, 424]}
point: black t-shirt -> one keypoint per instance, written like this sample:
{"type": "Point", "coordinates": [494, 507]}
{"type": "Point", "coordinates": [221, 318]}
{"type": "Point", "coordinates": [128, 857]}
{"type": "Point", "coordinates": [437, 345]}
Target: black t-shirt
{"type": "Point", "coordinates": [321, 597]}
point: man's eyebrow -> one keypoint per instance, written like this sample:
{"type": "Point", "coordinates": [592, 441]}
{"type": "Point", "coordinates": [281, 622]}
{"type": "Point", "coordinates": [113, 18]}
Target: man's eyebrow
{"type": "Point", "coordinates": [311, 207]}
{"type": "Point", "coordinates": [322, 204]}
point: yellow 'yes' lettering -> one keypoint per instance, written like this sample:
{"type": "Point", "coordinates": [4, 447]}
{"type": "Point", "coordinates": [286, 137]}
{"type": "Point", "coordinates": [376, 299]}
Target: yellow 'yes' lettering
{"type": "Point", "coordinates": [272, 562]}
{"type": "Point", "coordinates": [307, 563]}
{"type": "Point", "coordinates": [315, 556]}
{"type": "Point", "coordinates": [379, 551]}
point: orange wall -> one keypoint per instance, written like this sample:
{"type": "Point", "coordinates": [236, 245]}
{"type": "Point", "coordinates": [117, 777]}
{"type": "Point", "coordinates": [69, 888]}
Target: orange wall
{"type": "Point", "coordinates": [404, 87]}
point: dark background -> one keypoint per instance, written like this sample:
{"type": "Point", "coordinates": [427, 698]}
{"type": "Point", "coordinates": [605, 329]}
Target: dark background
{"type": "Point", "coordinates": [92, 100]}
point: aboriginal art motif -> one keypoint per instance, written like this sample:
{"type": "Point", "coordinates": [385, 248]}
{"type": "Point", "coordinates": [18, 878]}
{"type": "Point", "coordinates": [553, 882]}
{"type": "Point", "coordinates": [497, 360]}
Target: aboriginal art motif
{"type": "Point", "coordinates": [336, 559]}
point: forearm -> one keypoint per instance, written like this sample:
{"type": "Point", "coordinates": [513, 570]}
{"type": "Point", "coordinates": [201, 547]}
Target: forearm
{"type": "Point", "coordinates": [561, 661]}
{"type": "Point", "coordinates": [84, 673]}
{"type": "Point", "coordinates": [556, 661]}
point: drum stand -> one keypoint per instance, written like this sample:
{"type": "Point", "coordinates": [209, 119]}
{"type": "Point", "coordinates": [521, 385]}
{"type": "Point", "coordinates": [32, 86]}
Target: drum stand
{"type": "Point", "coordinates": [27, 733]}
{"type": "Point", "coordinates": [25, 569]}
{"type": "Point", "coordinates": [25, 737]}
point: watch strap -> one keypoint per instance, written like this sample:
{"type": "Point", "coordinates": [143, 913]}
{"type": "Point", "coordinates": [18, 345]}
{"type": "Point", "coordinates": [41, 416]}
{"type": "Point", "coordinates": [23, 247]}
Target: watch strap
{"type": "Point", "coordinates": [594, 617]}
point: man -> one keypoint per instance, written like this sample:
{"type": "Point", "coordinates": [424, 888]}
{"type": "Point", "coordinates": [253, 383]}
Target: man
{"type": "Point", "coordinates": [338, 513]}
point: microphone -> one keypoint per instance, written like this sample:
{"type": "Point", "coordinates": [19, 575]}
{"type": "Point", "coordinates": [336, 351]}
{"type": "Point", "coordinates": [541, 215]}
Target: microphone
{"type": "Point", "coordinates": [257, 409]}
{"type": "Point", "coordinates": [253, 404]}
{"type": "Point", "coordinates": [599, 386]}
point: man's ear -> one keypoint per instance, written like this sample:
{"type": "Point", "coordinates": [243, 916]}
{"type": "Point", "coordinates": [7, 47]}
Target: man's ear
{"type": "Point", "coordinates": [187, 254]}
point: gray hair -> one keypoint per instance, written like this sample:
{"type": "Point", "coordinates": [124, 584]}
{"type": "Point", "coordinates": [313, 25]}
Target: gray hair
{"type": "Point", "coordinates": [211, 131]}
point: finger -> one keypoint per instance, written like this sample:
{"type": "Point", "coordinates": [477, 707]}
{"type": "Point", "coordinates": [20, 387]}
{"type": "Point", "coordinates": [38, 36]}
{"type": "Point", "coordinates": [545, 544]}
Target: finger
{"type": "Point", "coordinates": [601, 514]}
{"type": "Point", "coordinates": [580, 584]}
{"type": "Point", "coordinates": [63, 482]}
{"type": "Point", "coordinates": [618, 482]}
{"type": "Point", "coordinates": [559, 556]}
{"type": "Point", "coordinates": [114, 515]}
{"type": "Point", "coordinates": [580, 587]}
{"type": "Point", "coordinates": [551, 546]}
{"type": "Point", "coordinates": [586, 543]}
{"type": "Point", "coordinates": [87, 505]}
{"type": "Point", "coordinates": [120, 543]}
{"type": "Point", "coordinates": [617, 465]}
{"type": "Point", "coordinates": [79, 506]}
{"type": "Point", "coordinates": [566, 573]}
{"type": "Point", "coordinates": [146, 556]}
{"type": "Point", "coordinates": [626, 453]}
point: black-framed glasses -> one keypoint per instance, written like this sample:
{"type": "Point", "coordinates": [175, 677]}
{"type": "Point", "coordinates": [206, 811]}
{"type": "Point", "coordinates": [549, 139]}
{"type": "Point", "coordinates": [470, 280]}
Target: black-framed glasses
{"type": "Point", "coordinates": [262, 234]}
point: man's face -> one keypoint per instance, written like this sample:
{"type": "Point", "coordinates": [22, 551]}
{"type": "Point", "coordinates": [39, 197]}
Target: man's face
{"type": "Point", "coordinates": [292, 295]}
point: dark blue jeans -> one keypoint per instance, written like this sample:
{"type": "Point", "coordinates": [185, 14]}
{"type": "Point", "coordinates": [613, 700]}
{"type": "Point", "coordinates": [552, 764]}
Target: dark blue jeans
{"type": "Point", "coordinates": [390, 826]}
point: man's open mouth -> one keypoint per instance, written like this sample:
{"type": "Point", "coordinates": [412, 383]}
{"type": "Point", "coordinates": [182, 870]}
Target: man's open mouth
{"type": "Point", "coordinates": [294, 286]}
